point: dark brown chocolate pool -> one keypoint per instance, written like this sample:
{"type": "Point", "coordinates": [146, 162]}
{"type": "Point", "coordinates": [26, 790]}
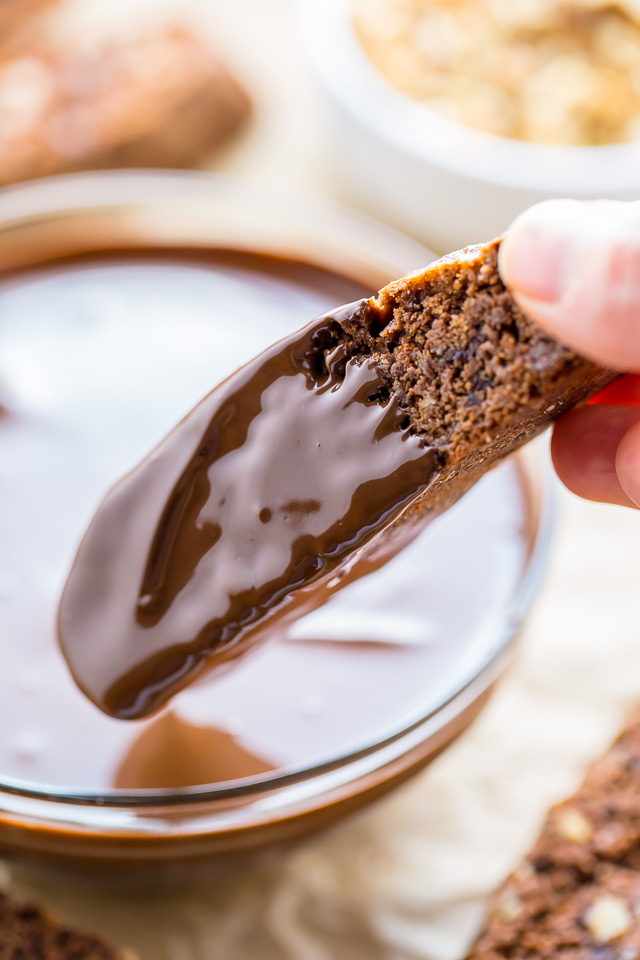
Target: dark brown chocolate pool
{"type": "Point", "coordinates": [98, 360]}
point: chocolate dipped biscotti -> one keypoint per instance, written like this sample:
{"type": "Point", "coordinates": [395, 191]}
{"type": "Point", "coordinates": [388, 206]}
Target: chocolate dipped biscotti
{"type": "Point", "coordinates": [321, 456]}
{"type": "Point", "coordinates": [577, 893]}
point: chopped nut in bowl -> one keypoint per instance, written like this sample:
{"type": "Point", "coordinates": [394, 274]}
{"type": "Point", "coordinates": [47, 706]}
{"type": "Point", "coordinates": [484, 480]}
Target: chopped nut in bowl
{"type": "Point", "coordinates": [454, 115]}
{"type": "Point", "coordinates": [563, 72]}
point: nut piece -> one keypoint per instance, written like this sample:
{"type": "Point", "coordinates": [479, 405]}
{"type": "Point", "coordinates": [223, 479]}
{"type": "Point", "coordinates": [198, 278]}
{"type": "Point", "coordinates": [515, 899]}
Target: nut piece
{"type": "Point", "coordinates": [509, 907]}
{"type": "Point", "coordinates": [608, 918]}
{"type": "Point", "coordinates": [574, 826]}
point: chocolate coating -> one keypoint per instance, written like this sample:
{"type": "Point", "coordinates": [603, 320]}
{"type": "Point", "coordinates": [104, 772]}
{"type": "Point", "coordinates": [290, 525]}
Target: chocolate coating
{"type": "Point", "coordinates": [248, 507]}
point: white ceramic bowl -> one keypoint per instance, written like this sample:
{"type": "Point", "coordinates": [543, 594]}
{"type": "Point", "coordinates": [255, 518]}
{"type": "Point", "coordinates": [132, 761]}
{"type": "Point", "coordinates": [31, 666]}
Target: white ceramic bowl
{"type": "Point", "coordinates": [443, 182]}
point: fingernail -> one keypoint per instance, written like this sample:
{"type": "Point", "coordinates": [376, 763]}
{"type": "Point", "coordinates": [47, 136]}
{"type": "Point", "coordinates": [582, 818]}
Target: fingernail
{"type": "Point", "coordinates": [534, 259]}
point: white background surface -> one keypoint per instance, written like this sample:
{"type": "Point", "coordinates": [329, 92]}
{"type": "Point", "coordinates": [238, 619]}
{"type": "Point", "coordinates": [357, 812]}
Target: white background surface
{"type": "Point", "coordinates": [408, 878]}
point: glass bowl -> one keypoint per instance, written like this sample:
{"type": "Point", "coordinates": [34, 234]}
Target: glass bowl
{"type": "Point", "coordinates": [123, 210]}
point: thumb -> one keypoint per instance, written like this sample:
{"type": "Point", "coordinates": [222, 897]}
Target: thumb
{"type": "Point", "coordinates": [574, 267]}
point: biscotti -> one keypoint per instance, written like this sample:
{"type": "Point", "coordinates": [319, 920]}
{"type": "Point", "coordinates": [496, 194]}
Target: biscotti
{"type": "Point", "coordinates": [476, 377]}
{"type": "Point", "coordinates": [144, 101]}
{"type": "Point", "coordinates": [26, 933]}
{"type": "Point", "coordinates": [577, 893]}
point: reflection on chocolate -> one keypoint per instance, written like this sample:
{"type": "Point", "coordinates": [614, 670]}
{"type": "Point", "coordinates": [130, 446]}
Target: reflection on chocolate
{"type": "Point", "coordinates": [275, 478]}
{"type": "Point", "coordinates": [100, 358]}
{"type": "Point", "coordinates": [171, 753]}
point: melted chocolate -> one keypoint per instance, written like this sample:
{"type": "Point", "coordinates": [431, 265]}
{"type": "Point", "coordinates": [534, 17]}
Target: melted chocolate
{"type": "Point", "coordinates": [171, 753]}
{"type": "Point", "coordinates": [98, 359]}
{"type": "Point", "coordinates": [262, 491]}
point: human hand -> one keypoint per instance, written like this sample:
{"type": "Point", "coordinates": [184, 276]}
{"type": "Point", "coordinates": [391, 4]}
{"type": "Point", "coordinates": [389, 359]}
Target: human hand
{"type": "Point", "coordinates": [574, 267]}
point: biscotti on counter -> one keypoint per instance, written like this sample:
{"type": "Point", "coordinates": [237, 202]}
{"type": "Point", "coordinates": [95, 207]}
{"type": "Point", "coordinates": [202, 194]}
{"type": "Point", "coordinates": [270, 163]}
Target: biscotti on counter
{"type": "Point", "coordinates": [160, 100]}
{"type": "Point", "coordinates": [577, 893]}
{"type": "Point", "coordinates": [26, 933]}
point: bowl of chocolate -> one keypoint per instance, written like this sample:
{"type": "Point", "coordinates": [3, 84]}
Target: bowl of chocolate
{"type": "Point", "coordinates": [124, 298]}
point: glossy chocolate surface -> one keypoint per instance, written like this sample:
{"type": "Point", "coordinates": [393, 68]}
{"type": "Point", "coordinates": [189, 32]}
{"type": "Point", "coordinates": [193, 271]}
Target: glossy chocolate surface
{"type": "Point", "coordinates": [259, 494]}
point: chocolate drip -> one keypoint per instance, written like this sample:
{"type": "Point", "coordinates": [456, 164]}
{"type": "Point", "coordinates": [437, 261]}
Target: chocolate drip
{"type": "Point", "coordinates": [239, 518]}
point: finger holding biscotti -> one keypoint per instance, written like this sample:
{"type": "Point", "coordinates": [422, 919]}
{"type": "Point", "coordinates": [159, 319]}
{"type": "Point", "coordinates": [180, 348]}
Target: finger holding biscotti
{"type": "Point", "coordinates": [574, 267]}
{"type": "Point", "coordinates": [584, 447]}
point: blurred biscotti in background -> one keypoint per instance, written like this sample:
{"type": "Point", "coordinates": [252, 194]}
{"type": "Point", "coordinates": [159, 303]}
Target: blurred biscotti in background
{"type": "Point", "coordinates": [577, 894]}
{"type": "Point", "coordinates": [158, 99]}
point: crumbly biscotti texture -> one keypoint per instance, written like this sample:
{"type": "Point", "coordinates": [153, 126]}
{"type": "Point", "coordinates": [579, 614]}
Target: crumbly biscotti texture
{"type": "Point", "coordinates": [26, 933]}
{"type": "Point", "coordinates": [143, 101]}
{"type": "Point", "coordinates": [577, 894]}
{"type": "Point", "coordinates": [476, 377]}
